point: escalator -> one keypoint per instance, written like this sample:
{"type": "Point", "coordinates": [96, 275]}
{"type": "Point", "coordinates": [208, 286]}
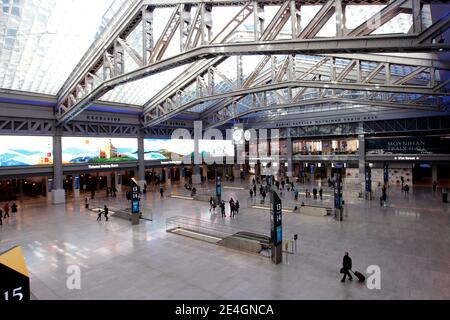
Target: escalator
{"type": "Point", "coordinates": [248, 241]}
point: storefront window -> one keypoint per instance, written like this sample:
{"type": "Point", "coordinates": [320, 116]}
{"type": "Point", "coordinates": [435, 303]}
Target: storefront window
{"type": "Point", "coordinates": [325, 146]}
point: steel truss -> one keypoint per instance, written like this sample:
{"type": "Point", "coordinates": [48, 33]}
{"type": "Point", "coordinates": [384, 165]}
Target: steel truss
{"type": "Point", "coordinates": [425, 124]}
{"type": "Point", "coordinates": [193, 20]}
{"type": "Point", "coordinates": [291, 81]}
{"type": "Point", "coordinates": [86, 129]}
{"type": "Point", "coordinates": [21, 126]}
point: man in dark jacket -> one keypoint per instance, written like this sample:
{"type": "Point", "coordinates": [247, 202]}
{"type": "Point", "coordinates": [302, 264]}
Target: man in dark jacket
{"type": "Point", "coordinates": [346, 267]}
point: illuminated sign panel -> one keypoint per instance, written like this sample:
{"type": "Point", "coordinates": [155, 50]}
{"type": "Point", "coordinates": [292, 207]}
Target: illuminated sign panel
{"type": "Point", "coordinates": [17, 151]}
{"type": "Point", "coordinates": [98, 151]}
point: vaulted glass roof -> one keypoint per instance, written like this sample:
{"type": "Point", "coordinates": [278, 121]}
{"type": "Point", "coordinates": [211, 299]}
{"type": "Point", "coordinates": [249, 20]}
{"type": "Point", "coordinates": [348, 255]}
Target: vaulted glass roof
{"type": "Point", "coordinates": [41, 41]}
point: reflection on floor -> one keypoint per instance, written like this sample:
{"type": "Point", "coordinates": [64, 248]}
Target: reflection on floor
{"type": "Point", "coordinates": [409, 240]}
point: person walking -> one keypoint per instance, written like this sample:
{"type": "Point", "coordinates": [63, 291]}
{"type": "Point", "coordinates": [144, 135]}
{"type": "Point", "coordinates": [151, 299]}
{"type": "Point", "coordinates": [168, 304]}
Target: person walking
{"type": "Point", "coordinates": [107, 192]}
{"type": "Point", "coordinates": [346, 267]}
{"type": "Point", "coordinates": [114, 190]}
{"type": "Point", "coordinates": [14, 208]}
{"type": "Point", "coordinates": [6, 208]}
{"type": "Point", "coordinates": [383, 196]}
{"type": "Point", "coordinates": [161, 192]}
{"type": "Point", "coordinates": [1, 217]}
{"type": "Point", "coordinates": [222, 208]}
{"type": "Point", "coordinates": [231, 207]}
{"type": "Point", "coordinates": [254, 189]}
{"type": "Point", "coordinates": [92, 194]}
{"type": "Point", "coordinates": [315, 193]}
{"type": "Point", "coordinates": [106, 212]}
{"type": "Point", "coordinates": [99, 217]}
{"type": "Point", "coordinates": [211, 204]}
{"type": "Point", "coordinates": [251, 194]}
{"type": "Point", "coordinates": [296, 195]}
{"type": "Point", "coordinates": [236, 207]}
{"type": "Point", "coordinates": [402, 180]}
{"type": "Point", "coordinates": [321, 193]}
{"type": "Point", "coordinates": [406, 189]}
{"type": "Point", "coordinates": [86, 203]}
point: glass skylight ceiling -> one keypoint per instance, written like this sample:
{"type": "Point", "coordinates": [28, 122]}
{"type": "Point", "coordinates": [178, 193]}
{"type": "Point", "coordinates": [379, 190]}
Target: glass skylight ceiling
{"type": "Point", "coordinates": [41, 41]}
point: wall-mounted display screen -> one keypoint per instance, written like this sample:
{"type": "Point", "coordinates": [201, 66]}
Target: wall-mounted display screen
{"type": "Point", "coordinates": [163, 149]}
{"type": "Point", "coordinates": [98, 150]}
{"type": "Point", "coordinates": [408, 145]}
{"type": "Point", "coordinates": [25, 151]}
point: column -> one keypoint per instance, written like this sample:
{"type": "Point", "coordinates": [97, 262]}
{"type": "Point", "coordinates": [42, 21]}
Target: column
{"type": "Point", "coordinates": [58, 193]}
{"type": "Point", "coordinates": [98, 181]}
{"type": "Point", "coordinates": [196, 175]}
{"type": "Point", "coordinates": [205, 172]}
{"type": "Point", "coordinates": [362, 163]}
{"type": "Point", "coordinates": [434, 173]}
{"type": "Point", "coordinates": [21, 190]}
{"type": "Point", "coordinates": [76, 186]}
{"type": "Point", "coordinates": [118, 181]}
{"type": "Point", "coordinates": [182, 178]}
{"type": "Point", "coordinates": [328, 166]}
{"type": "Point", "coordinates": [290, 167]}
{"type": "Point", "coordinates": [108, 180]}
{"type": "Point", "coordinates": [237, 172]}
{"type": "Point", "coordinates": [168, 173]}
{"type": "Point", "coordinates": [141, 164]}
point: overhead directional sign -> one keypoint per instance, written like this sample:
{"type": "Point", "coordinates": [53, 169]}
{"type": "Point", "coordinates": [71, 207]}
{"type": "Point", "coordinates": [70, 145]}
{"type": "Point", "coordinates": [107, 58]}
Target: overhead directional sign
{"type": "Point", "coordinates": [14, 278]}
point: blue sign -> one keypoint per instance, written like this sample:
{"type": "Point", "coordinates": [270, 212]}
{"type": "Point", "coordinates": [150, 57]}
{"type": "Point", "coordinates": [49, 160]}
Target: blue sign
{"type": "Point", "coordinates": [134, 196]}
{"type": "Point", "coordinates": [338, 193]}
{"type": "Point", "coordinates": [135, 206]}
{"type": "Point", "coordinates": [386, 172]}
{"type": "Point", "coordinates": [368, 179]}
{"type": "Point", "coordinates": [313, 168]}
{"type": "Point", "coordinates": [76, 183]}
{"type": "Point", "coordinates": [218, 187]}
{"type": "Point", "coordinates": [279, 235]}
{"type": "Point", "coordinates": [275, 219]}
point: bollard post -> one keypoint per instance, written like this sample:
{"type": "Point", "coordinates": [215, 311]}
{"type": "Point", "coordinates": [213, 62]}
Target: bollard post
{"type": "Point", "coordinates": [295, 240]}
{"type": "Point", "coordinates": [286, 246]}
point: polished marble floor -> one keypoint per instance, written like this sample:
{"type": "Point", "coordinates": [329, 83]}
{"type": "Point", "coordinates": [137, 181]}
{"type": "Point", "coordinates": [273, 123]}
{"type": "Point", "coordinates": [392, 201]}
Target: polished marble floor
{"type": "Point", "coordinates": [409, 240]}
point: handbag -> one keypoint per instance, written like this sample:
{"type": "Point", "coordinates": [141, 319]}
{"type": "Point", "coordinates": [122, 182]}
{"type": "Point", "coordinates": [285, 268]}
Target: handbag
{"type": "Point", "coordinates": [342, 270]}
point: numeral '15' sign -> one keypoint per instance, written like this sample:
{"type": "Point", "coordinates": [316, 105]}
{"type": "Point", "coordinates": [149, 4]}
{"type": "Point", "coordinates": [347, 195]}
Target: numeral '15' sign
{"type": "Point", "coordinates": [15, 282]}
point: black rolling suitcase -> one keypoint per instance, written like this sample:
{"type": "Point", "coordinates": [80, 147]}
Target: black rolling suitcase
{"type": "Point", "coordinates": [360, 276]}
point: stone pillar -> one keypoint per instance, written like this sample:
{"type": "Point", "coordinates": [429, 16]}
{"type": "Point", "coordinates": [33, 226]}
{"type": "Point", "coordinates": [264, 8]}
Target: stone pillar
{"type": "Point", "coordinates": [290, 167]}
{"type": "Point", "coordinates": [196, 175]}
{"type": "Point", "coordinates": [434, 173]}
{"type": "Point", "coordinates": [21, 190]}
{"type": "Point", "coordinates": [58, 193]}
{"type": "Point", "coordinates": [182, 178]}
{"type": "Point", "coordinates": [237, 171]}
{"type": "Point", "coordinates": [362, 163]}
{"type": "Point", "coordinates": [168, 173]}
{"type": "Point", "coordinates": [141, 164]}
{"type": "Point", "coordinates": [118, 181]}
{"type": "Point", "coordinates": [108, 180]}
{"type": "Point", "coordinates": [328, 166]}
{"type": "Point", "coordinates": [98, 181]}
